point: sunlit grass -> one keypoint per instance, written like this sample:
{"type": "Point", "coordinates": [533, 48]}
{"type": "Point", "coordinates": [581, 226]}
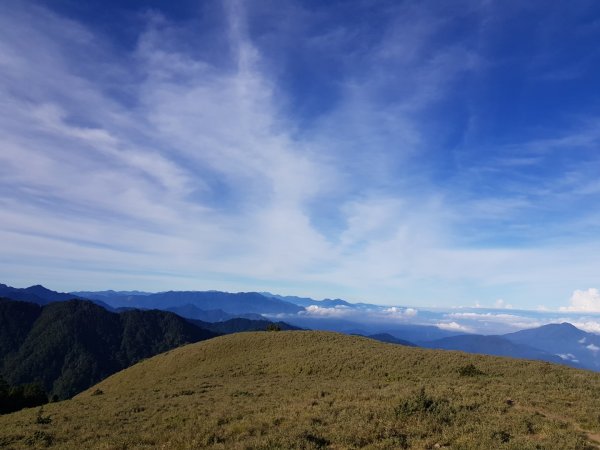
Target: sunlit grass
{"type": "Point", "coordinates": [320, 390]}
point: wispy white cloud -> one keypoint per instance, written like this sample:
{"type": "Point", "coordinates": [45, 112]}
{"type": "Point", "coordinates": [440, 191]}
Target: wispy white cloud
{"type": "Point", "coordinates": [568, 357]}
{"type": "Point", "coordinates": [173, 165]}
{"type": "Point", "coordinates": [145, 180]}
{"type": "Point", "coordinates": [203, 172]}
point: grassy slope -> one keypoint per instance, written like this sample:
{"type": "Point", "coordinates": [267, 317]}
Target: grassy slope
{"type": "Point", "coordinates": [305, 389]}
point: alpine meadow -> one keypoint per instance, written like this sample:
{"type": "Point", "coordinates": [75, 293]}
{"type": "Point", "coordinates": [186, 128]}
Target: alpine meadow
{"type": "Point", "coordinates": [297, 224]}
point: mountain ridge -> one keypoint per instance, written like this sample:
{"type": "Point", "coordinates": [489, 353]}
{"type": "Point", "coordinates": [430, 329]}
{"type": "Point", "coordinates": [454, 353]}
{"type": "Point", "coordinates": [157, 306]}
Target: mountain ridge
{"type": "Point", "coordinates": [68, 346]}
{"type": "Point", "coordinates": [557, 343]}
{"type": "Point", "coordinates": [231, 303]}
{"type": "Point", "coordinates": [492, 345]}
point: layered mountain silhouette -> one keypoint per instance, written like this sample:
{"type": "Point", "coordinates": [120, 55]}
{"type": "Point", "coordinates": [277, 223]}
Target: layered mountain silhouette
{"type": "Point", "coordinates": [42, 296]}
{"type": "Point", "coordinates": [403, 331]}
{"type": "Point", "coordinates": [209, 306]}
{"type": "Point", "coordinates": [222, 312]}
{"type": "Point", "coordinates": [559, 343]}
{"type": "Point", "coordinates": [34, 294]}
{"type": "Point", "coordinates": [190, 311]}
{"type": "Point", "coordinates": [491, 345]}
{"type": "Point", "coordinates": [386, 337]}
{"type": "Point", "coordinates": [307, 301]}
{"type": "Point", "coordinates": [230, 303]}
{"type": "Point", "coordinates": [570, 343]}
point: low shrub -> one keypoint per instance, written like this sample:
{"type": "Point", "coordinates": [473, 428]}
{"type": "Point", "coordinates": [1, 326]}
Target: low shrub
{"type": "Point", "coordinates": [424, 405]}
{"type": "Point", "coordinates": [470, 370]}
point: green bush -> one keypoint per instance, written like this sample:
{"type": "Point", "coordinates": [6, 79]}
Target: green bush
{"type": "Point", "coordinates": [502, 436]}
{"type": "Point", "coordinates": [40, 419]}
{"type": "Point", "coordinates": [422, 404]}
{"type": "Point", "coordinates": [469, 371]}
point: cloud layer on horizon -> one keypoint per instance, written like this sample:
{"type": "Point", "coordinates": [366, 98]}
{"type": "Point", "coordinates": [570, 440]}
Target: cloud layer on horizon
{"type": "Point", "coordinates": [459, 320]}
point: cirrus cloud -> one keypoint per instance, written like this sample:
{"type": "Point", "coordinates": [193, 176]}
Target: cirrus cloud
{"type": "Point", "coordinates": [264, 152]}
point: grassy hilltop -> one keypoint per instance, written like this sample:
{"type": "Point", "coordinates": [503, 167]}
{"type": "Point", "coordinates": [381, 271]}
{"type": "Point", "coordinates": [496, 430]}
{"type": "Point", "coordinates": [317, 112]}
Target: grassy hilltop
{"type": "Point", "coordinates": [304, 389]}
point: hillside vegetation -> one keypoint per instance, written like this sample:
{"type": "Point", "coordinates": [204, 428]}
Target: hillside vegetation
{"type": "Point", "coordinates": [305, 389]}
{"type": "Point", "coordinates": [69, 346]}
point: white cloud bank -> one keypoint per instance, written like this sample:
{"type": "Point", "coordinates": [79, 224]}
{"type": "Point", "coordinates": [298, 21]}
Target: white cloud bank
{"type": "Point", "coordinates": [454, 326]}
{"type": "Point", "coordinates": [373, 314]}
{"type": "Point", "coordinates": [509, 320]}
{"type": "Point", "coordinates": [584, 301]}
{"type": "Point", "coordinates": [590, 326]}
{"type": "Point", "coordinates": [394, 311]}
{"type": "Point", "coordinates": [336, 311]}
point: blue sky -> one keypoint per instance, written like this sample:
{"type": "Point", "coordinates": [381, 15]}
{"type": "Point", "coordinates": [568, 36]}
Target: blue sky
{"type": "Point", "coordinates": [411, 153]}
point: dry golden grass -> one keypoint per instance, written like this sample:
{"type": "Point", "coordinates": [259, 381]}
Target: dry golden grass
{"type": "Point", "coordinates": [307, 389]}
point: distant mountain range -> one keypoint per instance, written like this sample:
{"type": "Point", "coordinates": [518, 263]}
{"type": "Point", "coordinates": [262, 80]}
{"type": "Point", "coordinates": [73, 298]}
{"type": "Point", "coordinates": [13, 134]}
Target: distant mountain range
{"type": "Point", "coordinates": [571, 344]}
{"type": "Point", "coordinates": [34, 294]}
{"type": "Point", "coordinates": [220, 312]}
{"type": "Point", "coordinates": [42, 296]}
{"type": "Point", "coordinates": [559, 343]}
{"type": "Point", "coordinates": [385, 337]}
{"type": "Point", "coordinates": [491, 345]}
{"type": "Point", "coordinates": [230, 303]}
{"type": "Point", "coordinates": [306, 301]}
{"type": "Point", "coordinates": [190, 311]}
{"type": "Point", "coordinates": [404, 331]}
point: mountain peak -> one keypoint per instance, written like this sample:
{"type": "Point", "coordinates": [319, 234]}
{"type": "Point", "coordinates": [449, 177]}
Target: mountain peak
{"type": "Point", "coordinates": [561, 326]}
{"type": "Point", "coordinates": [564, 328]}
{"type": "Point", "coordinates": [38, 287]}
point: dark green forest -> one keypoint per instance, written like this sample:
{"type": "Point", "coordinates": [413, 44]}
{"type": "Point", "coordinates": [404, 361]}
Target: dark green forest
{"type": "Point", "coordinates": [65, 347]}
{"type": "Point", "coordinates": [14, 398]}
